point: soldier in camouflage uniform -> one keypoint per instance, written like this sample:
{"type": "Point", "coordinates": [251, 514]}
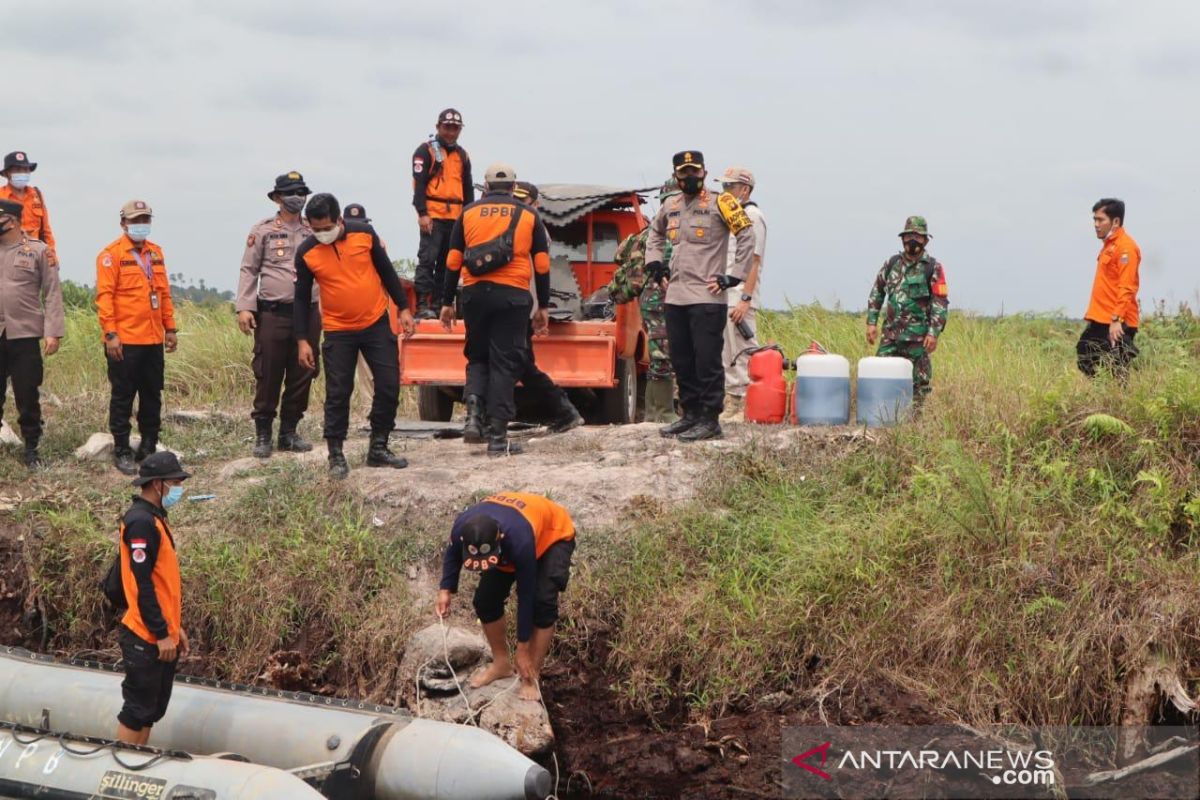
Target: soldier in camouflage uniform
{"type": "Point", "coordinates": [629, 282]}
{"type": "Point", "coordinates": [913, 284]}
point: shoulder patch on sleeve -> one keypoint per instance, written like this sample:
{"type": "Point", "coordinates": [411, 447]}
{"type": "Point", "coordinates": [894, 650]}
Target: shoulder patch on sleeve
{"type": "Point", "coordinates": [250, 240]}
{"type": "Point", "coordinates": [418, 166]}
{"type": "Point", "coordinates": [1124, 258]}
{"type": "Point", "coordinates": [732, 212]}
{"type": "Point", "coordinates": [107, 260]}
{"type": "Point", "coordinates": [51, 258]}
{"type": "Point", "coordinates": [138, 555]}
{"type": "Point", "coordinates": [939, 281]}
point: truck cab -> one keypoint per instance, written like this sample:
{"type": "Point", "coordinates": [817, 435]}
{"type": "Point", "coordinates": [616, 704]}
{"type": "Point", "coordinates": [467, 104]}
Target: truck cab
{"type": "Point", "coordinates": [594, 349]}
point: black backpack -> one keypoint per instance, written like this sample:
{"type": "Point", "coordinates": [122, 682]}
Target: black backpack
{"type": "Point", "coordinates": [112, 586]}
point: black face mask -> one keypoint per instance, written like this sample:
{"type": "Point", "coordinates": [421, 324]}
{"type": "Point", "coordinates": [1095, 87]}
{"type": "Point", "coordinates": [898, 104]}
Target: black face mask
{"type": "Point", "coordinates": [691, 184]}
{"type": "Point", "coordinates": [913, 248]}
{"type": "Point", "coordinates": [7, 225]}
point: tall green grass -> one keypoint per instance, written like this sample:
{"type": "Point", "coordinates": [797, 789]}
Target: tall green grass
{"type": "Point", "coordinates": [1001, 557]}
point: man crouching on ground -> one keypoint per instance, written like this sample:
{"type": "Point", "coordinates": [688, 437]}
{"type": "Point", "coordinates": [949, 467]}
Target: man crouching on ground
{"type": "Point", "coordinates": [512, 537]}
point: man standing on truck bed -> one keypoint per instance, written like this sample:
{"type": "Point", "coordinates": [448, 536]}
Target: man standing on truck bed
{"type": "Point", "coordinates": [442, 186]}
{"type": "Point", "coordinates": [698, 227]}
{"type": "Point", "coordinates": [502, 244]}
{"type": "Point", "coordinates": [35, 219]}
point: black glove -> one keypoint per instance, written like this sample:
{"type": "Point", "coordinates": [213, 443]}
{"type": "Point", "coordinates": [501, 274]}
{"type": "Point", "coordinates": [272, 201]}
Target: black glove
{"type": "Point", "coordinates": [657, 271]}
{"type": "Point", "coordinates": [725, 281]}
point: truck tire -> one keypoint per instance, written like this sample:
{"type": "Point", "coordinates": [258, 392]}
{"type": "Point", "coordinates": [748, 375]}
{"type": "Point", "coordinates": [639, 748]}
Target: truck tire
{"type": "Point", "coordinates": [619, 404]}
{"type": "Point", "coordinates": [434, 404]}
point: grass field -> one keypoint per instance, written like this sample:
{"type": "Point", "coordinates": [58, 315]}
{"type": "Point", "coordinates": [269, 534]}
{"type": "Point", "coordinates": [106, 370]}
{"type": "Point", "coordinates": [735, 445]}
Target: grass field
{"type": "Point", "coordinates": [1009, 556]}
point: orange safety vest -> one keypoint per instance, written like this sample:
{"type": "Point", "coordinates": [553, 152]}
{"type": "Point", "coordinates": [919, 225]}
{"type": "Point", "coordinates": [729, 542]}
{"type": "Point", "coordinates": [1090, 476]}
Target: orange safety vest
{"type": "Point", "coordinates": [444, 191]}
{"type": "Point", "coordinates": [168, 587]}
{"type": "Point", "coordinates": [550, 522]}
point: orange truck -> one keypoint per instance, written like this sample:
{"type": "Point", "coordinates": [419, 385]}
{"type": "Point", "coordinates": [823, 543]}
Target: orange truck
{"type": "Point", "coordinates": [595, 350]}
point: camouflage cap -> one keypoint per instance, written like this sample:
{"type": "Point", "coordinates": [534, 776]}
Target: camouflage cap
{"type": "Point", "coordinates": [669, 187]}
{"type": "Point", "coordinates": [915, 224]}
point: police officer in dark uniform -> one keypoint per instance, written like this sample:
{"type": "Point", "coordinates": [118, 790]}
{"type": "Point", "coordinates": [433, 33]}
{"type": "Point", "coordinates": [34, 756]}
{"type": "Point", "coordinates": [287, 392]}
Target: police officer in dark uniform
{"type": "Point", "coordinates": [266, 291]}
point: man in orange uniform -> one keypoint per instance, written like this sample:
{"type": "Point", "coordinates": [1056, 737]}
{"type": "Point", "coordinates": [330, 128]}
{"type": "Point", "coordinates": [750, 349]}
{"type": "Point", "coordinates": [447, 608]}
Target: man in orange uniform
{"type": "Point", "coordinates": [35, 219]}
{"type": "Point", "coordinates": [133, 301]}
{"type": "Point", "coordinates": [441, 187]}
{"type": "Point", "coordinates": [151, 631]}
{"type": "Point", "coordinates": [1112, 314]}
{"type": "Point", "coordinates": [502, 243]}
{"type": "Point", "coordinates": [349, 263]}
{"type": "Point", "coordinates": [512, 537]}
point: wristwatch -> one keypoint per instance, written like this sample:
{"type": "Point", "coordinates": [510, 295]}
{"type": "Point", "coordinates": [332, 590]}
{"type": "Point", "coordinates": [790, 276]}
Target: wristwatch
{"type": "Point", "coordinates": [746, 298]}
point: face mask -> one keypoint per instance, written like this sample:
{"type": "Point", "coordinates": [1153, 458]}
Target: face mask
{"type": "Point", "coordinates": [19, 180]}
{"type": "Point", "coordinates": [139, 231]}
{"type": "Point", "coordinates": [692, 184]}
{"type": "Point", "coordinates": [174, 495]}
{"type": "Point", "coordinates": [7, 225]}
{"type": "Point", "coordinates": [330, 236]}
{"type": "Point", "coordinates": [292, 203]}
{"type": "Point", "coordinates": [913, 248]}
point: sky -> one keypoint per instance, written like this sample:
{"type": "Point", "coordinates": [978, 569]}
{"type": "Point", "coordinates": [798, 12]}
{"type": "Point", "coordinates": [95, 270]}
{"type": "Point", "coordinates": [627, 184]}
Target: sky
{"type": "Point", "coordinates": [1002, 123]}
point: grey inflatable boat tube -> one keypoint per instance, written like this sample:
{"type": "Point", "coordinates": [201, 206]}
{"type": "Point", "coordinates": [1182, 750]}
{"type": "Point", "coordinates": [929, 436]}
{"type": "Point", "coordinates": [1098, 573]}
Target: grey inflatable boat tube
{"type": "Point", "coordinates": [49, 765]}
{"type": "Point", "coordinates": [387, 755]}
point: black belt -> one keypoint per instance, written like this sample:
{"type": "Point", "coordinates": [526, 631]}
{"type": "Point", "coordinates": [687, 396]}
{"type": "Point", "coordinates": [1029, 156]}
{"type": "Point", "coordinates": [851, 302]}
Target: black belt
{"type": "Point", "coordinates": [274, 306]}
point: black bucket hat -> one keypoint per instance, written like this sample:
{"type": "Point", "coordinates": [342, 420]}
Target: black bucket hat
{"type": "Point", "coordinates": [287, 183]}
{"type": "Point", "coordinates": [162, 466]}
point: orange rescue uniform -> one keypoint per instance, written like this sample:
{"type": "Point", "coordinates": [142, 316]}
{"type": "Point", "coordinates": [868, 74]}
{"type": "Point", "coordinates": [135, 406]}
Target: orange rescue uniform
{"type": "Point", "coordinates": [138, 309]}
{"type": "Point", "coordinates": [488, 219]}
{"type": "Point", "coordinates": [150, 574]}
{"type": "Point", "coordinates": [1114, 291]}
{"type": "Point", "coordinates": [441, 190]}
{"type": "Point", "coordinates": [35, 219]}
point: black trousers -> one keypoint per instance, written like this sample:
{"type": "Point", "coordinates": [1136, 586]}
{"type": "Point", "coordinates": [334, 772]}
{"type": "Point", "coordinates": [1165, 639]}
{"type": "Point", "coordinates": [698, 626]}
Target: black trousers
{"type": "Point", "coordinates": [696, 335]}
{"type": "Point", "coordinates": [21, 362]}
{"type": "Point", "coordinates": [340, 350]}
{"type": "Point", "coordinates": [533, 379]}
{"type": "Point", "coordinates": [431, 261]}
{"type": "Point", "coordinates": [140, 374]}
{"type": "Point", "coordinates": [553, 572]}
{"type": "Point", "coordinates": [146, 689]}
{"type": "Point", "coordinates": [277, 366]}
{"type": "Point", "coordinates": [497, 348]}
{"type": "Point", "coordinates": [1094, 350]}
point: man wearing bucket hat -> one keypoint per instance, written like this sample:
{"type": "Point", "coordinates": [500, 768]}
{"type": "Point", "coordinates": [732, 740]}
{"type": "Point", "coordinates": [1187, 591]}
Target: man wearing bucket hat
{"type": "Point", "coordinates": [628, 283]}
{"type": "Point", "coordinates": [442, 187]}
{"type": "Point", "coordinates": [913, 285]}
{"type": "Point", "coordinates": [510, 538]}
{"type": "Point", "coordinates": [151, 632]}
{"type": "Point", "coordinates": [31, 307]}
{"type": "Point", "coordinates": [698, 225]}
{"type": "Point", "coordinates": [137, 318]}
{"type": "Point", "coordinates": [35, 218]}
{"type": "Point", "coordinates": [265, 299]}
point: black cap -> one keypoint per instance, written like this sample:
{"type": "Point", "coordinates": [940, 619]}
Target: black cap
{"type": "Point", "coordinates": [355, 213]}
{"type": "Point", "coordinates": [18, 158]}
{"type": "Point", "coordinates": [480, 542]}
{"type": "Point", "coordinates": [11, 208]}
{"type": "Point", "coordinates": [450, 117]}
{"type": "Point", "coordinates": [688, 158]}
{"type": "Point", "coordinates": [289, 182]}
{"type": "Point", "coordinates": [162, 466]}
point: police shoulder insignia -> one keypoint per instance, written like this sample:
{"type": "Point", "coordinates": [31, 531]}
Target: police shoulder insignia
{"type": "Point", "coordinates": [250, 240]}
{"type": "Point", "coordinates": [732, 212]}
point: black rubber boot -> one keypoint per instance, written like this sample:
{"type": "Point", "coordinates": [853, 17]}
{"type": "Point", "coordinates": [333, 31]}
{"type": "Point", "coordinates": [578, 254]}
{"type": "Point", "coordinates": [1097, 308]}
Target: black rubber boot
{"type": "Point", "coordinates": [568, 416]}
{"type": "Point", "coordinates": [262, 438]}
{"type": "Point", "coordinates": [123, 456]}
{"type": "Point", "coordinates": [475, 431]}
{"type": "Point", "coordinates": [498, 442]}
{"type": "Point", "coordinates": [379, 456]}
{"type": "Point", "coordinates": [338, 468]}
{"type": "Point", "coordinates": [680, 425]}
{"type": "Point", "coordinates": [426, 308]}
{"type": "Point", "coordinates": [290, 441]}
{"type": "Point", "coordinates": [707, 427]}
{"type": "Point", "coordinates": [148, 445]}
{"type": "Point", "coordinates": [31, 458]}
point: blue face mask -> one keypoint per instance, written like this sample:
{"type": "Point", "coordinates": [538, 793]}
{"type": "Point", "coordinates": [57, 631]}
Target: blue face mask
{"type": "Point", "coordinates": [19, 180]}
{"type": "Point", "coordinates": [139, 231]}
{"type": "Point", "coordinates": [174, 495]}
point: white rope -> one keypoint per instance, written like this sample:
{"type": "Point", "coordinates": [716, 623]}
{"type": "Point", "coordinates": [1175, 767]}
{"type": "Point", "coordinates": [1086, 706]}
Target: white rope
{"type": "Point", "coordinates": [475, 715]}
